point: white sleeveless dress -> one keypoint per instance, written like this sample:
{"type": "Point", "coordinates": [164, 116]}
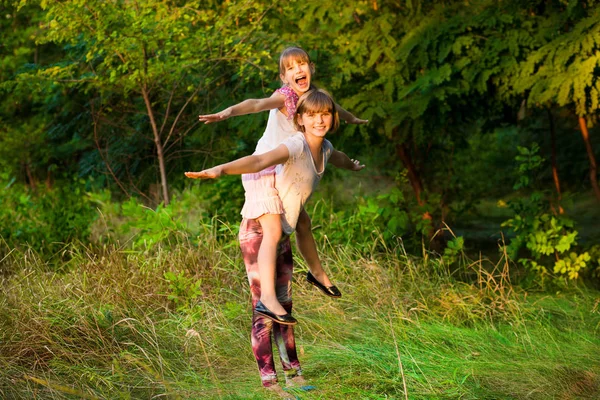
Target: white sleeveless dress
{"type": "Point", "coordinates": [261, 195]}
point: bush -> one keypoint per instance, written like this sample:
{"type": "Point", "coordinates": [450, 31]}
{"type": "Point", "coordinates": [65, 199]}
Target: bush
{"type": "Point", "coordinates": [45, 218]}
{"type": "Point", "coordinates": [548, 239]}
{"type": "Point", "coordinates": [138, 227]}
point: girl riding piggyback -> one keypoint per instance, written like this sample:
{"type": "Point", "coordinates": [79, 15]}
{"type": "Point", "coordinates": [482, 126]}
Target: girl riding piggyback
{"type": "Point", "coordinates": [262, 201]}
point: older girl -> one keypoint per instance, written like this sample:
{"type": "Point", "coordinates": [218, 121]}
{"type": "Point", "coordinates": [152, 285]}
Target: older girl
{"type": "Point", "coordinates": [300, 162]}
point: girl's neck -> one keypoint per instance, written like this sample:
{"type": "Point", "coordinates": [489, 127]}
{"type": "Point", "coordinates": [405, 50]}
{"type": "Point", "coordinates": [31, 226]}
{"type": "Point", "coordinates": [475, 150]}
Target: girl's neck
{"type": "Point", "coordinates": [314, 142]}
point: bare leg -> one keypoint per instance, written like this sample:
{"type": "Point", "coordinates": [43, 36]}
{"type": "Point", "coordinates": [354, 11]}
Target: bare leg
{"type": "Point", "coordinates": [267, 254]}
{"type": "Point", "coordinates": [308, 248]}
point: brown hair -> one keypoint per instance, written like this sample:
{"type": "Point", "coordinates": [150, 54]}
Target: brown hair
{"type": "Point", "coordinates": [316, 100]}
{"type": "Point", "coordinates": [296, 54]}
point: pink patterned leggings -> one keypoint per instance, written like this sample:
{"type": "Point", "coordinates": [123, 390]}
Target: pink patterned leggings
{"type": "Point", "coordinates": [250, 237]}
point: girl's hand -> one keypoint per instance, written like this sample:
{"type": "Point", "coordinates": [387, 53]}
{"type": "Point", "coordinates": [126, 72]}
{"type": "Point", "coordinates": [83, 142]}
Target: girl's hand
{"type": "Point", "coordinates": [220, 116]}
{"type": "Point", "coordinates": [210, 173]}
{"type": "Point", "coordinates": [356, 165]}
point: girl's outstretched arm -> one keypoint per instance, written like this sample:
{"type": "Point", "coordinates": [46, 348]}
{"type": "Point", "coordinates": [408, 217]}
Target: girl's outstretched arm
{"type": "Point", "coordinates": [249, 106]}
{"type": "Point", "coordinates": [349, 117]}
{"type": "Point", "coordinates": [245, 165]}
{"type": "Point", "coordinates": [341, 160]}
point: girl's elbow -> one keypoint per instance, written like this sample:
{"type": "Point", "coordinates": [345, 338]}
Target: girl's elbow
{"type": "Point", "coordinates": [260, 163]}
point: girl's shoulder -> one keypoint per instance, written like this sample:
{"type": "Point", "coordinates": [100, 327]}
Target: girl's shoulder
{"type": "Point", "coordinates": [287, 92]}
{"type": "Point", "coordinates": [296, 145]}
{"type": "Point", "coordinates": [291, 100]}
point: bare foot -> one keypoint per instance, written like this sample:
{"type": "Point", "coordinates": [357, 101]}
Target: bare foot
{"type": "Point", "coordinates": [282, 393]}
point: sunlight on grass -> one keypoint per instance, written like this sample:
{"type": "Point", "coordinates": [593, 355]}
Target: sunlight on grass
{"type": "Point", "coordinates": [110, 326]}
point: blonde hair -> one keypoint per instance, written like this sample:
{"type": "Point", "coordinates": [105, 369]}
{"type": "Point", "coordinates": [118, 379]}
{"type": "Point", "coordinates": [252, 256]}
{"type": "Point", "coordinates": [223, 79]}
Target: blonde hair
{"type": "Point", "coordinates": [316, 100]}
{"type": "Point", "coordinates": [294, 54]}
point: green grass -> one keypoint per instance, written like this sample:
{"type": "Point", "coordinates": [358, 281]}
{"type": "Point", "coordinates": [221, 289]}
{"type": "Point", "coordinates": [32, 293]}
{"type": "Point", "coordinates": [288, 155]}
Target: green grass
{"type": "Point", "coordinates": [111, 326]}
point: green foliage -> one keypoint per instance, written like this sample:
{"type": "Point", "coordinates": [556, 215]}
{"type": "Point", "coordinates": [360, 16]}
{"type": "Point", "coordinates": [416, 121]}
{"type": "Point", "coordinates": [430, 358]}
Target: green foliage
{"type": "Point", "coordinates": [563, 70]}
{"type": "Point", "coordinates": [150, 226]}
{"type": "Point", "coordinates": [182, 289]}
{"type": "Point", "coordinates": [140, 69]}
{"type": "Point", "coordinates": [454, 250]}
{"type": "Point", "coordinates": [594, 253]}
{"type": "Point", "coordinates": [39, 120]}
{"type": "Point", "coordinates": [141, 228]}
{"type": "Point", "coordinates": [45, 219]}
{"type": "Point", "coordinates": [550, 239]}
{"type": "Point", "coordinates": [388, 212]}
{"type": "Point", "coordinates": [370, 222]}
{"type": "Point", "coordinates": [222, 198]}
{"type": "Point", "coordinates": [529, 161]}
{"type": "Point", "coordinates": [572, 265]}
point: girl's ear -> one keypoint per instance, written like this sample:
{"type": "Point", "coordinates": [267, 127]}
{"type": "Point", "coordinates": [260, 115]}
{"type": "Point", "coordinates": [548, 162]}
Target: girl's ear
{"type": "Point", "coordinates": [282, 77]}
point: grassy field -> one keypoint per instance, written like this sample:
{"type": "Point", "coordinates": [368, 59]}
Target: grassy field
{"type": "Point", "coordinates": [173, 322]}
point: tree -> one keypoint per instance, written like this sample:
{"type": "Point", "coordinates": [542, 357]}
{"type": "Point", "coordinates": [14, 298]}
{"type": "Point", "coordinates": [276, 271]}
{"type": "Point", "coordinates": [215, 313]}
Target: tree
{"type": "Point", "coordinates": [564, 71]}
{"type": "Point", "coordinates": [29, 148]}
{"type": "Point", "coordinates": [147, 58]}
{"type": "Point", "coordinates": [427, 74]}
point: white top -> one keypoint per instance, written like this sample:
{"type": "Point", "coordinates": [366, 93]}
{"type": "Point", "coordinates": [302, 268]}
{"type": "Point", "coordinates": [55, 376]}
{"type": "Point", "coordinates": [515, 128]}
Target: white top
{"type": "Point", "coordinates": [297, 179]}
{"type": "Point", "coordinates": [279, 128]}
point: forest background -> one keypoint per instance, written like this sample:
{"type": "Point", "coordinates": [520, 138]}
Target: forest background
{"type": "Point", "coordinates": [476, 217]}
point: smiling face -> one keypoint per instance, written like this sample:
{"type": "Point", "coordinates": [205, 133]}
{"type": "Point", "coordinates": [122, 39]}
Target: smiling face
{"type": "Point", "coordinates": [316, 113]}
{"type": "Point", "coordinates": [316, 123]}
{"type": "Point", "coordinates": [297, 75]}
{"type": "Point", "coordinates": [295, 69]}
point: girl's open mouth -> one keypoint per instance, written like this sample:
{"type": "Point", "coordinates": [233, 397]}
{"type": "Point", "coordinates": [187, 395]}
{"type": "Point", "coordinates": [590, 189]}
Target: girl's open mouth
{"type": "Point", "coordinates": [302, 81]}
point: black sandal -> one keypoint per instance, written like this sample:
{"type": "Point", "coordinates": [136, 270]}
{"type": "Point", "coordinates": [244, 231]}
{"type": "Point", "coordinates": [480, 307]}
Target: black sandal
{"type": "Point", "coordinates": [331, 291]}
{"type": "Point", "coordinates": [285, 319]}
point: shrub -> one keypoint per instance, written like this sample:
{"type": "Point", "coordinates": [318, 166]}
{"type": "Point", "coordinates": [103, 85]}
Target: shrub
{"type": "Point", "coordinates": [549, 239]}
{"type": "Point", "coordinates": [45, 218]}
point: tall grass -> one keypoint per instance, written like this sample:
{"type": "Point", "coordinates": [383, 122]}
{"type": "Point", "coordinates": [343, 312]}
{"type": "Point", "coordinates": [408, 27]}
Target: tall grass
{"type": "Point", "coordinates": [172, 319]}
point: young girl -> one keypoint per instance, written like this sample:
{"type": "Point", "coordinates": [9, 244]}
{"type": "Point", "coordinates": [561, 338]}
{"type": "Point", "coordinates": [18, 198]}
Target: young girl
{"type": "Point", "coordinates": [262, 200]}
{"type": "Point", "coordinates": [303, 156]}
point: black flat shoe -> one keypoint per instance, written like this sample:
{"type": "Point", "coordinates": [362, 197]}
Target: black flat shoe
{"type": "Point", "coordinates": [331, 291]}
{"type": "Point", "coordinates": [285, 319]}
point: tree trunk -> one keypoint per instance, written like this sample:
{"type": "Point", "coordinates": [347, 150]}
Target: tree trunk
{"type": "Point", "coordinates": [590, 153]}
{"type": "Point", "coordinates": [159, 146]}
{"type": "Point", "coordinates": [553, 160]}
{"type": "Point", "coordinates": [32, 180]}
{"type": "Point", "coordinates": [415, 181]}
{"type": "Point", "coordinates": [413, 175]}
{"type": "Point", "coordinates": [95, 117]}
